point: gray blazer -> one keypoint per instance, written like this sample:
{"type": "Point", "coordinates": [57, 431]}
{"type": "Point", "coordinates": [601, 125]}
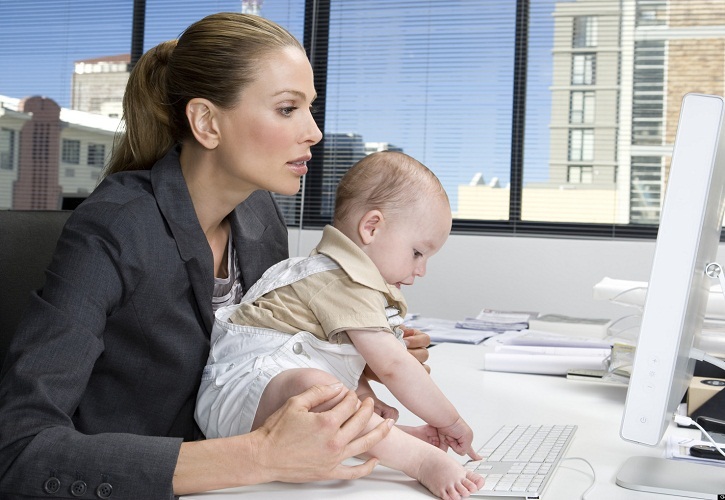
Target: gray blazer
{"type": "Point", "coordinates": [100, 382]}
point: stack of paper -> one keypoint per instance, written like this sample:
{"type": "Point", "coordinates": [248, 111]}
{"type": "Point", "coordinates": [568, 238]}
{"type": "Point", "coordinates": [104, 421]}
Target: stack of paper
{"type": "Point", "coordinates": [443, 330]}
{"type": "Point", "coordinates": [497, 321]}
{"type": "Point", "coordinates": [545, 353]}
{"type": "Point", "coordinates": [559, 323]}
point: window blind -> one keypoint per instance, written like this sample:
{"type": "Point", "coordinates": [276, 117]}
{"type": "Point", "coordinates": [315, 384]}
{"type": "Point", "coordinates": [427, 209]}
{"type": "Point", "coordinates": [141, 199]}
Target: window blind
{"type": "Point", "coordinates": [539, 116]}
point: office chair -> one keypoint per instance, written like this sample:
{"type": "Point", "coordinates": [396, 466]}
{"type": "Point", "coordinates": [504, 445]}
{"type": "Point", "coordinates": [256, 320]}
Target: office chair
{"type": "Point", "coordinates": [27, 243]}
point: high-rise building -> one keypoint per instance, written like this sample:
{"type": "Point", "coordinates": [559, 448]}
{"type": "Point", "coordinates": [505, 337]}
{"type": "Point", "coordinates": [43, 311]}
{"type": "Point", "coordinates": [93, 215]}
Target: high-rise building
{"type": "Point", "coordinates": [620, 71]}
{"type": "Point", "coordinates": [252, 7]}
{"type": "Point", "coordinates": [98, 84]}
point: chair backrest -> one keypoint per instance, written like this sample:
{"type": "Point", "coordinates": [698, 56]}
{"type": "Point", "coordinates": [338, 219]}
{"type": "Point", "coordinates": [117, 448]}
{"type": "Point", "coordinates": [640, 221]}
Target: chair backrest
{"type": "Point", "coordinates": [27, 242]}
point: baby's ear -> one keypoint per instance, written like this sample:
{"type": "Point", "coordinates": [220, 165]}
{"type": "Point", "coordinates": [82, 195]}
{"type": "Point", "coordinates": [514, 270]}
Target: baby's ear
{"type": "Point", "coordinates": [370, 225]}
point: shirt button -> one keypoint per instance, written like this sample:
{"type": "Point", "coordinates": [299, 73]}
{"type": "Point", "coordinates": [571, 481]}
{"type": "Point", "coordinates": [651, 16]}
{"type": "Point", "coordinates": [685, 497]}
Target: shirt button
{"type": "Point", "coordinates": [78, 488]}
{"type": "Point", "coordinates": [104, 490]}
{"type": "Point", "coordinates": [51, 485]}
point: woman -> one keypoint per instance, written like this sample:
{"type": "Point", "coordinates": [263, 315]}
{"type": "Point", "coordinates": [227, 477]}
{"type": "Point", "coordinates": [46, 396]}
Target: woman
{"type": "Point", "coordinates": [99, 386]}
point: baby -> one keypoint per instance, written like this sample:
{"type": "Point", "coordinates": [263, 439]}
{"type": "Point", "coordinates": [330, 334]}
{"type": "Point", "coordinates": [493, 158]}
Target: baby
{"type": "Point", "coordinates": [322, 319]}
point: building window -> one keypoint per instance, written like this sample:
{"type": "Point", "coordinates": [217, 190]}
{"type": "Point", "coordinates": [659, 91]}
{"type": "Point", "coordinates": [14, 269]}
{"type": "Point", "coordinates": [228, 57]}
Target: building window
{"type": "Point", "coordinates": [7, 149]}
{"type": "Point", "coordinates": [71, 151]}
{"type": "Point", "coordinates": [648, 93]}
{"type": "Point", "coordinates": [581, 144]}
{"type": "Point", "coordinates": [70, 172]}
{"type": "Point", "coordinates": [581, 107]}
{"type": "Point", "coordinates": [646, 189]}
{"type": "Point", "coordinates": [585, 32]}
{"type": "Point", "coordinates": [583, 67]}
{"type": "Point", "coordinates": [579, 174]}
{"type": "Point", "coordinates": [96, 154]}
{"type": "Point", "coordinates": [652, 13]}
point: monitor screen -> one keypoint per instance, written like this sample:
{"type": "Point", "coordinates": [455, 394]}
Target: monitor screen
{"type": "Point", "coordinates": [674, 309]}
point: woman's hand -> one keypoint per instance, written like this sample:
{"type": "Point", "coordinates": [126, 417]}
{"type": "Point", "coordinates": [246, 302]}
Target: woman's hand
{"type": "Point", "coordinates": [417, 343]}
{"type": "Point", "coordinates": [293, 445]}
{"type": "Point", "coordinates": [296, 445]}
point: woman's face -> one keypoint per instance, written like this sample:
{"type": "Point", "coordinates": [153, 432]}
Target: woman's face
{"type": "Point", "coordinates": [266, 139]}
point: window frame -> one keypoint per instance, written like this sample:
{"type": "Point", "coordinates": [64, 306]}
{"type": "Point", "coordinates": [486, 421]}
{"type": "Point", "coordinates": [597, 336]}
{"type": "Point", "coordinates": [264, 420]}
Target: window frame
{"type": "Point", "coordinates": [316, 35]}
{"type": "Point", "coordinates": [8, 159]}
{"type": "Point", "coordinates": [92, 150]}
{"type": "Point", "coordinates": [66, 153]}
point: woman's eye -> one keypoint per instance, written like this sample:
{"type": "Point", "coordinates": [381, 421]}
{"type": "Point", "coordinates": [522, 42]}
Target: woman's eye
{"type": "Point", "coordinates": [287, 111]}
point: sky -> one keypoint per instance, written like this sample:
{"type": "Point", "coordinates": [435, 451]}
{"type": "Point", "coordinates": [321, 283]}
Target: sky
{"type": "Point", "coordinates": [451, 111]}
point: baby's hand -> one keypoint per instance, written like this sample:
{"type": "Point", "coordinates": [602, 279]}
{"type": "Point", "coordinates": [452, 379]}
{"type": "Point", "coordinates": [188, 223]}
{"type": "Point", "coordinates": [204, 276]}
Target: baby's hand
{"type": "Point", "coordinates": [459, 436]}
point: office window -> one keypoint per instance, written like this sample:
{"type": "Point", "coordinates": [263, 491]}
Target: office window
{"type": "Point", "coordinates": [71, 152]}
{"type": "Point", "coordinates": [582, 107]}
{"type": "Point", "coordinates": [505, 101]}
{"type": "Point", "coordinates": [654, 12]}
{"type": "Point", "coordinates": [580, 174]}
{"type": "Point", "coordinates": [646, 189]}
{"type": "Point", "coordinates": [432, 79]}
{"type": "Point", "coordinates": [585, 32]}
{"type": "Point", "coordinates": [7, 149]}
{"type": "Point", "coordinates": [96, 154]}
{"type": "Point", "coordinates": [581, 144]}
{"type": "Point", "coordinates": [582, 69]}
{"type": "Point", "coordinates": [648, 92]}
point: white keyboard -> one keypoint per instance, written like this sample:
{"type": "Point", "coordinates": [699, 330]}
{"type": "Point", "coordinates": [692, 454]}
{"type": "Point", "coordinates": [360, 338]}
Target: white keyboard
{"type": "Point", "coordinates": [519, 460]}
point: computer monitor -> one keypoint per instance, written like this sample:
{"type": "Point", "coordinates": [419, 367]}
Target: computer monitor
{"type": "Point", "coordinates": [674, 309]}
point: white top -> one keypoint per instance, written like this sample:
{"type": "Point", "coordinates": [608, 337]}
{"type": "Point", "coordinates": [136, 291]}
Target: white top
{"type": "Point", "coordinates": [228, 291]}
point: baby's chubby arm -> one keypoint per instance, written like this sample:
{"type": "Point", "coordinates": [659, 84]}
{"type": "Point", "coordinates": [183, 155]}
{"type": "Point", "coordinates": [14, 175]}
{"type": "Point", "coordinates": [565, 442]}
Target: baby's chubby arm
{"type": "Point", "coordinates": [410, 383]}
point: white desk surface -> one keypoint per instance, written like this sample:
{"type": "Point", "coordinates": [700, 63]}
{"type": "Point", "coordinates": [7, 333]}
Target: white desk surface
{"type": "Point", "coordinates": [488, 400]}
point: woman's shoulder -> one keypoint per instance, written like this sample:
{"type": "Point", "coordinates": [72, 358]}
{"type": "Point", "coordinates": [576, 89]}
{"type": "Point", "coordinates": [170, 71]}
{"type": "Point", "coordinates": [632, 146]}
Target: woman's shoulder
{"type": "Point", "coordinates": [121, 202]}
{"type": "Point", "coordinates": [123, 187]}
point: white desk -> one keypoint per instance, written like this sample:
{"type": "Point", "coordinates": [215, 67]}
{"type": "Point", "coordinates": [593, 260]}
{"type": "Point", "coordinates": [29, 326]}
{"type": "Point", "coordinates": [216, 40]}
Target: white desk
{"type": "Point", "coordinates": [488, 400]}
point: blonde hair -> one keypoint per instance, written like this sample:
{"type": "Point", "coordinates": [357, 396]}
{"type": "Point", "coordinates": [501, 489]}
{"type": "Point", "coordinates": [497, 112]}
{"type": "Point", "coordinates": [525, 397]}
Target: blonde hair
{"type": "Point", "coordinates": [214, 58]}
{"type": "Point", "coordinates": [388, 181]}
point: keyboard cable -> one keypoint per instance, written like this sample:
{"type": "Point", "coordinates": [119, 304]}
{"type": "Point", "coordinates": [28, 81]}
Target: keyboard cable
{"type": "Point", "coordinates": [594, 475]}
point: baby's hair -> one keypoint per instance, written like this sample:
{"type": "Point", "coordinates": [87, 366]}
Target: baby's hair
{"type": "Point", "coordinates": [214, 58]}
{"type": "Point", "coordinates": [388, 181]}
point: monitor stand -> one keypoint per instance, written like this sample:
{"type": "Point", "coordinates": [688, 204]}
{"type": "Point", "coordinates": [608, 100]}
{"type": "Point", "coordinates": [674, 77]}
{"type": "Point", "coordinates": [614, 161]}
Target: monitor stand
{"type": "Point", "coordinates": [672, 477]}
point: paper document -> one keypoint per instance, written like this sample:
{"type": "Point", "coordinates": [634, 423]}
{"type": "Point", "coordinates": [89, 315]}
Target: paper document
{"type": "Point", "coordinates": [547, 339]}
{"type": "Point", "coordinates": [678, 448]}
{"type": "Point", "coordinates": [443, 330]}
{"type": "Point", "coordinates": [498, 321]}
{"type": "Point", "coordinates": [543, 364]}
{"type": "Point", "coordinates": [554, 351]}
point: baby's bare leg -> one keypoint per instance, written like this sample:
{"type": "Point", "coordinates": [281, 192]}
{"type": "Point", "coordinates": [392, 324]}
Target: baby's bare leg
{"type": "Point", "coordinates": [291, 383]}
{"type": "Point", "coordinates": [438, 472]}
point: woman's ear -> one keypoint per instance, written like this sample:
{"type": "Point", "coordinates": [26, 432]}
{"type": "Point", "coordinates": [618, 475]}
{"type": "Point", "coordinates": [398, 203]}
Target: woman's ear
{"type": "Point", "coordinates": [370, 225]}
{"type": "Point", "coordinates": [201, 114]}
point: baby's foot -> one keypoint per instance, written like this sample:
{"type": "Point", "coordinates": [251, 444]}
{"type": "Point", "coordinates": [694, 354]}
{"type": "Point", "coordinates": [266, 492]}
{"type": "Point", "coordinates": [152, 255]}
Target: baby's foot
{"type": "Point", "coordinates": [446, 478]}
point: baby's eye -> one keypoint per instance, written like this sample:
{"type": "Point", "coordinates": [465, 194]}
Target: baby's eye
{"type": "Point", "coordinates": [417, 254]}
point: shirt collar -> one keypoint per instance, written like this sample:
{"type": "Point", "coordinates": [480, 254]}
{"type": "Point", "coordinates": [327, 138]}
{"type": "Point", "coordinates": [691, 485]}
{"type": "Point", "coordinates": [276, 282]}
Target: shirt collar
{"type": "Point", "coordinates": [354, 261]}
